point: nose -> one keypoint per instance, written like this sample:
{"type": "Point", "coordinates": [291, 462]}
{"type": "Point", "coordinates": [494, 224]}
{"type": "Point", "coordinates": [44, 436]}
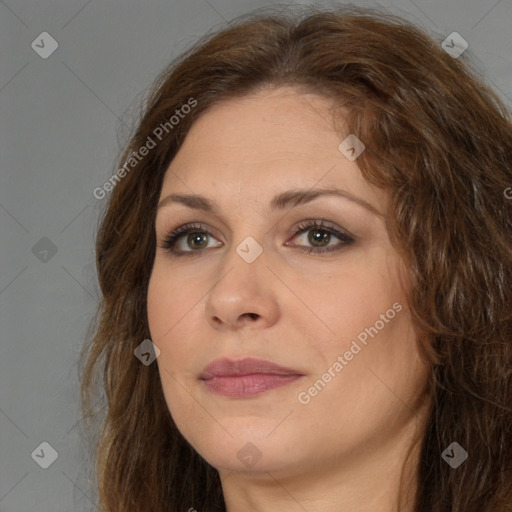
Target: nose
{"type": "Point", "coordinates": [244, 295]}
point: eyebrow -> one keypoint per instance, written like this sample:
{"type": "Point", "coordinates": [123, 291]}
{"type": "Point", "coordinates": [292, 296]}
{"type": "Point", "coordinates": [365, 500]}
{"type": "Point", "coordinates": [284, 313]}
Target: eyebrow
{"type": "Point", "coordinates": [281, 201]}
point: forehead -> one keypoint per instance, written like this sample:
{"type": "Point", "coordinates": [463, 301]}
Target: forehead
{"type": "Point", "coordinates": [261, 144]}
{"type": "Point", "coordinates": [279, 121]}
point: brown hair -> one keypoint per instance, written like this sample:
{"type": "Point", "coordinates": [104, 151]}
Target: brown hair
{"type": "Point", "coordinates": [438, 139]}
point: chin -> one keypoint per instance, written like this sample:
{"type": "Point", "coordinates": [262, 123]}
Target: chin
{"type": "Point", "coordinates": [250, 457]}
{"type": "Point", "coordinates": [254, 445]}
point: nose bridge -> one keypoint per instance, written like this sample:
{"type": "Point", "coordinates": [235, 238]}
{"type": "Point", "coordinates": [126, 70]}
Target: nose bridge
{"type": "Point", "coordinates": [244, 260]}
{"type": "Point", "coordinates": [241, 288]}
{"type": "Point", "coordinates": [248, 234]}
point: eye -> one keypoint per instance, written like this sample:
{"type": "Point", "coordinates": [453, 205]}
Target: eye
{"type": "Point", "coordinates": [198, 236]}
{"type": "Point", "coordinates": [320, 235]}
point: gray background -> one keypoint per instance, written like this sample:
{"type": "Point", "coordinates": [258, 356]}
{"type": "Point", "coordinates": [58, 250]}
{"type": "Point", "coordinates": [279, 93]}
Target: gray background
{"type": "Point", "coordinates": [63, 120]}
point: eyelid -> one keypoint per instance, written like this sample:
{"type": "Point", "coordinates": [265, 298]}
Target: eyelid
{"type": "Point", "coordinates": [173, 234]}
{"type": "Point", "coordinates": [344, 236]}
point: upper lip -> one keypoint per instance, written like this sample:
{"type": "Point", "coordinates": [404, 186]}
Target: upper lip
{"type": "Point", "coordinates": [227, 368]}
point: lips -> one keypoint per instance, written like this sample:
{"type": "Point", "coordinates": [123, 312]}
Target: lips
{"type": "Point", "coordinates": [246, 377]}
{"type": "Point", "coordinates": [248, 366]}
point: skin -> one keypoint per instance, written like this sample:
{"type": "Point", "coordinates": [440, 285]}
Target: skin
{"type": "Point", "coordinates": [347, 445]}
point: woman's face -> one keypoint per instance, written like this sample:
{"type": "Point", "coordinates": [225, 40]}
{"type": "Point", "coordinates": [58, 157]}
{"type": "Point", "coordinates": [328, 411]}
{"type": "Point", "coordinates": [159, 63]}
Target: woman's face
{"type": "Point", "coordinates": [257, 279]}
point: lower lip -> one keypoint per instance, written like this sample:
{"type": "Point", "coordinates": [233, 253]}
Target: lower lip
{"type": "Point", "coordinates": [243, 386]}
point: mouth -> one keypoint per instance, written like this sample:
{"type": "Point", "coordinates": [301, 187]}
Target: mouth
{"type": "Point", "coordinates": [246, 377]}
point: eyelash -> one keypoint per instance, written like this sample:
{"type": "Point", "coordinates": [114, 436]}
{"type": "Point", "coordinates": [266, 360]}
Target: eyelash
{"type": "Point", "coordinates": [172, 238]}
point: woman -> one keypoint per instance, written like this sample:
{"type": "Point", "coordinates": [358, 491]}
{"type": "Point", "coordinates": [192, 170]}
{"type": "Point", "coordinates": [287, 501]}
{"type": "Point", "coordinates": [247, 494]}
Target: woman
{"type": "Point", "coordinates": [306, 268]}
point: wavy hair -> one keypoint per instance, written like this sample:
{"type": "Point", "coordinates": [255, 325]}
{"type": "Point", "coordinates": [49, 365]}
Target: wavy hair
{"type": "Point", "coordinates": [438, 139]}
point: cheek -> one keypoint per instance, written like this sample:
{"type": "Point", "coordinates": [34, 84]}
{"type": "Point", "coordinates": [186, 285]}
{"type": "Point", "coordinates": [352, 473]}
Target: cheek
{"type": "Point", "coordinates": [157, 304]}
{"type": "Point", "coordinates": [168, 302]}
{"type": "Point", "coordinates": [370, 329]}
{"type": "Point", "coordinates": [174, 316]}
{"type": "Point", "coordinates": [354, 300]}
